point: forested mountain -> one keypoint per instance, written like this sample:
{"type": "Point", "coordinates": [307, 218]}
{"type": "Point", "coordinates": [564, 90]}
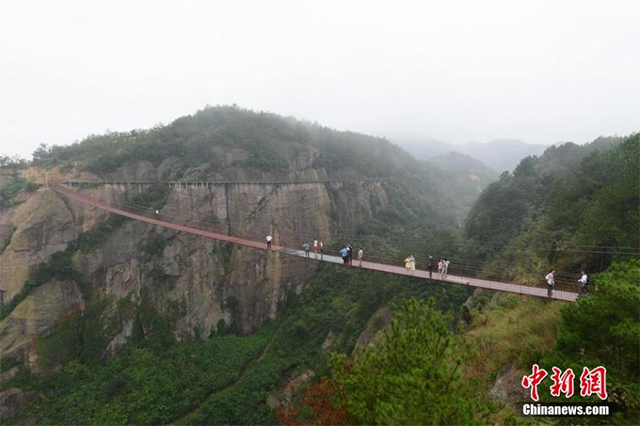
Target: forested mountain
{"type": "Point", "coordinates": [111, 303]}
{"type": "Point", "coordinates": [572, 197]}
{"type": "Point", "coordinates": [471, 176]}
{"type": "Point", "coordinates": [110, 321]}
{"type": "Point", "coordinates": [573, 207]}
{"type": "Point", "coordinates": [230, 143]}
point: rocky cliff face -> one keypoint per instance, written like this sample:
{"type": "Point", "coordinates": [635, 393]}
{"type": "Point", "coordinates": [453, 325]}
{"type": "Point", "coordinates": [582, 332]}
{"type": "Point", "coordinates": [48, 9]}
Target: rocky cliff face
{"type": "Point", "coordinates": [35, 228]}
{"type": "Point", "coordinates": [192, 281]}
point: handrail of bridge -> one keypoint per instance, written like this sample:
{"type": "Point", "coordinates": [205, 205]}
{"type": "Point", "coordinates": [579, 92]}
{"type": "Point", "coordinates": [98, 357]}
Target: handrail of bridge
{"type": "Point", "coordinates": [566, 296]}
{"type": "Point", "coordinates": [329, 246]}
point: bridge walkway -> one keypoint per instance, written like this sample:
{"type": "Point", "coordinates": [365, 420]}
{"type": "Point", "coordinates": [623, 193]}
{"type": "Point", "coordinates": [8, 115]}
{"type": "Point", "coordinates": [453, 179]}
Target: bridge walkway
{"type": "Point", "coordinates": [397, 270]}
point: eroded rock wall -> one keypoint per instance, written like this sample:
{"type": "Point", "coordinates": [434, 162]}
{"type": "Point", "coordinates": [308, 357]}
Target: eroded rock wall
{"type": "Point", "coordinates": [194, 281]}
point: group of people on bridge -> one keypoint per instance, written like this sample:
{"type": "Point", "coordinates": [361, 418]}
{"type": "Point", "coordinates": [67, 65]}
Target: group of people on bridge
{"type": "Point", "coordinates": [317, 248]}
{"type": "Point", "coordinates": [551, 283]}
{"type": "Point", "coordinates": [443, 266]}
{"type": "Point", "coordinates": [346, 253]}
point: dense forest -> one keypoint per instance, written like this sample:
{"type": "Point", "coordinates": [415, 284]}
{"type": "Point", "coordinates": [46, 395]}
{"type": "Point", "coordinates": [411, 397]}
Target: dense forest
{"type": "Point", "coordinates": [573, 208]}
{"type": "Point", "coordinates": [433, 352]}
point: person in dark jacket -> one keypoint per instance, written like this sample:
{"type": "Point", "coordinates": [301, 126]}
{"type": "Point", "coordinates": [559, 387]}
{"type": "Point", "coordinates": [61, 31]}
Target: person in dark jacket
{"type": "Point", "coordinates": [430, 265]}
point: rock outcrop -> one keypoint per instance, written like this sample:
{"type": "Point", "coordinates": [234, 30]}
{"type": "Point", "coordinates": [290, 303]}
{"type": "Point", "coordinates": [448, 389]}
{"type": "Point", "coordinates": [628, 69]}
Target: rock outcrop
{"type": "Point", "coordinates": [38, 316]}
{"type": "Point", "coordinates": [194, 282]}
{"type": "Point", "coordinates": [13, 400]}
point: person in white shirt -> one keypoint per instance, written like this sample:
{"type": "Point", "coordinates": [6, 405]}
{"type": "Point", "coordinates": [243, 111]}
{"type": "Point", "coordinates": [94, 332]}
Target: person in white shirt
{"type": "Point", "coordinates": [269, 239]}
{"type": "Point", "coordinates": [360, 254]}
{"type": "Point", "coordinates": [550, 282]}
{"type": "Point", "coordinates": [583, 283]}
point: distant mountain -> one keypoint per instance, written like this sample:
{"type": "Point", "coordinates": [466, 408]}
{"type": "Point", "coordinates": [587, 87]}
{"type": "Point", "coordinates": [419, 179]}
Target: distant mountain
{"type": "Point", "coordinates": [501, 154]}
{"type": "Point", "coordinates": [424, 148]}
{"type": "Point", "coordinates": [468, 165]}
{"type": "Point", "coordinates": [468, 175]}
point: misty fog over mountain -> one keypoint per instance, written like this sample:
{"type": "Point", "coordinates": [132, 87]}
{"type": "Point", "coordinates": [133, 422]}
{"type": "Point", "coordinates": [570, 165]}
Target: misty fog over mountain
{"type": "Point", "coordinates": [499, 154]}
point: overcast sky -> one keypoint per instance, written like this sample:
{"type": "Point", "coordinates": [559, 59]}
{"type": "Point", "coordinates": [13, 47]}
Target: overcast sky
{"type": "Point", "coordinates": [540, 71]}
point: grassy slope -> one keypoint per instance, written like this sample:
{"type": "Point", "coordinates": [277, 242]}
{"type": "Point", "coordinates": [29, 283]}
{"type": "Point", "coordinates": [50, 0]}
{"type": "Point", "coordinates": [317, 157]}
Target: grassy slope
{"type": "Point", "coordinates": [516, 330]}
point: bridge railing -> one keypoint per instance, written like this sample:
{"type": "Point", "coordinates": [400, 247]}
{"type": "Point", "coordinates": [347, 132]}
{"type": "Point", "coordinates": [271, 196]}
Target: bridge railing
{"type": "Point", "coordinates": [332, 248]}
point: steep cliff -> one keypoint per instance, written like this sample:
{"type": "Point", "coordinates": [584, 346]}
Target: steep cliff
{"type": "Point", "coordinates": [138, 273]}
{"type": "Point", "coordinates": [192, 281]}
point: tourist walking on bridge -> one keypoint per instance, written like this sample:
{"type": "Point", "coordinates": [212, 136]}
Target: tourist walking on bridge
{"type": "Point", "coordinates": [445, 268]}
{"type": "Point", "coordinates": [582, 282]}
{"type": "Point", "coordinates": [360, 254]}
{"type": "Point", "coordinates": [410, 264]}
{"type": "Point", "coordinates": [321, 244]}
{"type": "Point", "coordinates": [440, 266]}
{"type": "Point", "coordinates": [350, 248]}
{"type": "Point", "coordinates": [345, 255]}
{"type": "Point", "coordinates": [306, 248]}
{"type": "Point", "coordinates": [269, 239]}
{"type": "Point", "coordinates": [550, 282]}
{"type": "Point", "coordinates": [430, 266]}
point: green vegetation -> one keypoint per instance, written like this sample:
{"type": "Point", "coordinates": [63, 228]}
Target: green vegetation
{"type": "Point", "coordinates": [154, 197]}
{"type": "Point", "coordinates": [411, 376]}
{"type": "Point", "coordinates": [604, 329]}
{"type": "Point", "coordinates": [515, 330]}
{"type": "Point", "coordinates": [12, 163]}
{"type": "Point", "coordinates": [59, 266]}
{"type": "Point", "coordinates": [80, 337]}
{"type": "Point", "coordinates": [13, 187]}
{"type": "Point", "coordinates": [155, 379]}
{"type": "Point", "coordinates": [423, 370]}
{"type": "Point", "coordinates": [268, 146]}
{"type": "Point", "coordinates": [575, 197]}
{"type": "Point", "coordinates": [397, 380]}
{"type": "Point", "coordinates": [146, 383]}
{"type": "Point", "coordinates": [189, 139]}
{"type": "Point", "coordinates": [340, 301]}
{"type": "Point", "coordinates": [89, 241]}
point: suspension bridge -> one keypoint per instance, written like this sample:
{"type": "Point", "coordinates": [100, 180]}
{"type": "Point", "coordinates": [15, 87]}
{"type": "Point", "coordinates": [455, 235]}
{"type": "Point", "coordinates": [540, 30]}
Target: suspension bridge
{"type": "Point", "coordinates": [562, 295]}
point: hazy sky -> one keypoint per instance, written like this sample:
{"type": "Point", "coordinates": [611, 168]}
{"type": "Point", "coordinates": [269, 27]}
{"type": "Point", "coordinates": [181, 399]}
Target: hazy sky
{"type": "Point", "coordinates": [540, 71]}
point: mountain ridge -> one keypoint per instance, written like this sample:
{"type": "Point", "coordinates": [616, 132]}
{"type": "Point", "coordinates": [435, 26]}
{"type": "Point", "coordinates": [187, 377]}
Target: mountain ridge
{"type": "Point", "coordinates": [500, 154]}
